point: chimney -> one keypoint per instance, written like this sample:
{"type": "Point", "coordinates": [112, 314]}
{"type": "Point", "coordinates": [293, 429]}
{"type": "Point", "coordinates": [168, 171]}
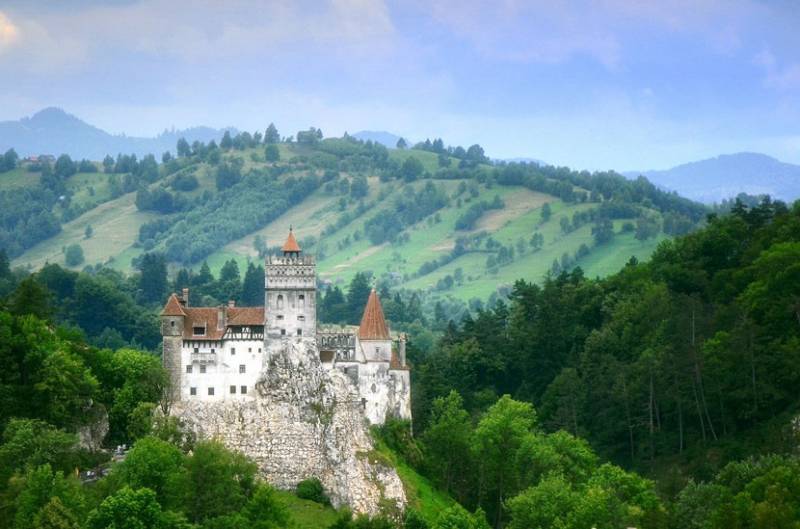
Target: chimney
{"type": "Point", "coordinates": [221, 317]}
{"type": "Point", "coordinates": [231, 303]}
{"type": "Point", "coordinates": [185, 297]}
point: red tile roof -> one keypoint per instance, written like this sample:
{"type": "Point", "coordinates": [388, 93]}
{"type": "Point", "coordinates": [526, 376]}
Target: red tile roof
{"type": "Point", "coordinates": [173, 307]}
{"type": "Point", "coordinates": [291, 243]}
{"type": "Point", "coordinates": [373, 324]}
{"type": "Point", "coordinates": [246, 316]}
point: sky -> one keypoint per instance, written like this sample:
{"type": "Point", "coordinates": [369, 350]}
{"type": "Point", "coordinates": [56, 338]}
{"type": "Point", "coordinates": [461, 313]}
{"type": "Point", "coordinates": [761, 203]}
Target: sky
{"type": "Point", "coordinates": [606, 84]}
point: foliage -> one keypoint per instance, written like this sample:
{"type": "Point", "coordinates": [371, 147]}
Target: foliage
{"type": "Point", "coordinates": [311, 489]}
{"type": "Point", "coordinates": [73, 255]}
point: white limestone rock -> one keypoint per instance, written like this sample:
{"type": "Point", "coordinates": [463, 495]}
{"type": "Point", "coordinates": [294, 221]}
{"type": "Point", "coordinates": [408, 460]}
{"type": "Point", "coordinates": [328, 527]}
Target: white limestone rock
{"type": "Point", "coordinates": [305, 421]}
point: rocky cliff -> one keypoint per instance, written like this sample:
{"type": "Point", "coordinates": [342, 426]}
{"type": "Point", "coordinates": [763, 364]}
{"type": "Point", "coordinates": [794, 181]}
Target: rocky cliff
{"type": "Point", "coordinates": [304, 421]}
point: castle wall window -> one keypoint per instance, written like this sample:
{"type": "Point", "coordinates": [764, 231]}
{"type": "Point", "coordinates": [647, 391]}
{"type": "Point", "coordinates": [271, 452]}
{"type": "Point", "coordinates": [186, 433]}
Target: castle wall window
{"type": "Point", "coordinates": [280, 301]}
{"type": "Point", "coordinates": [280, 316]}
{"type": "Point", "coordinates": [233, 390]}
{"type": "Point", "coordinates": [243, 390]}
{"type": "Point", "coordinates": [301, 301]}
{"type": "Point", "coordinates": [202, 368]}
{"type": "Point", "coordinates": [196, 350]}
{"type": "Point", "coordinates": [299, 332]}
{"type": "Point", "coordinates": [211, 391]}
{"type": "Point", "coordinates": [189, 368]}
{"type": "Point", "coordinates": [198, 331]}
{"type": "Point", "coordinates": [213, 350]}
{"type": "Point", "coordinates": [301, 317]}
{"type": "Point", "coordinates": [241, 368]}
{"type": "Point", "coordinates": [283, 332]}
{"type": "Point", "coordinates": [172, 324]}
{"type": "Point", "coordinates": [259, 349]}
{"type": "Point", "coordinates": [249, 349]}
{"type": "Point", "coordinates": [233, 350]}
{"type": "Point", "coordinates": [192, 391]}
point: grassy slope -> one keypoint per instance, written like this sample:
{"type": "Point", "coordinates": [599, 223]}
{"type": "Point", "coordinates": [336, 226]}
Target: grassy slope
{"type": "Point", "coordinates": [307, 514]}
{"type": "Point", "coordinates": [116, 224]}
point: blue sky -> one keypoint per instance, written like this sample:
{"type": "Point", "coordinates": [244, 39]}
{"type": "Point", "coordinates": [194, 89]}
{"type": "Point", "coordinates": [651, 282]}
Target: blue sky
{"type": "Point", "coordinates": [594, 84]}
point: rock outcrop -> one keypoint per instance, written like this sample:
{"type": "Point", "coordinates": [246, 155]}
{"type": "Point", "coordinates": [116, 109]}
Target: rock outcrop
{"type": "Point", "coordinates": [304, 421]}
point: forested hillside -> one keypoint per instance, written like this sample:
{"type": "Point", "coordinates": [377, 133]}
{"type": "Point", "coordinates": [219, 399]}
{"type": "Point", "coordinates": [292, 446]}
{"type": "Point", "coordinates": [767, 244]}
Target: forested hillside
{"type": "Point", "coordinates": [662, 396]}
{"type": "Point", "coordinates": [429, 218]}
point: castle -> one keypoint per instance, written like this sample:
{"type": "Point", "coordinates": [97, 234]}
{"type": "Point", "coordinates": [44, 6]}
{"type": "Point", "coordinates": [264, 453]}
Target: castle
{"type": "Point", "coordinates": [220, 354]}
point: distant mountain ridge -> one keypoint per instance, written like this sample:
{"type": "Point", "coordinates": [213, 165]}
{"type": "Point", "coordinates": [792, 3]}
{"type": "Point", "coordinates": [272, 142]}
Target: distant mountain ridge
{"type": "Point", "coordinates": [725, 176]}
{"type": "Point", "coordinates": [54, 131]}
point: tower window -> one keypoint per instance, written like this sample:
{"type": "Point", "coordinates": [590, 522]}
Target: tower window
{"type": "Point", "coordinates": [196, 350]}
{"type": "Point", "coordinates": [283, 332]}
{"type": "Point", "coordinates": [233, 350]}
{"type": "Point", "coordinates": [233, 390]}
{"type": "Point", "coordinates": [299, 332]}
{"type": "Point", "coordinates": [301, 301]}
{"type": "Point", "coordinates": [172, 324]}
{"type": "Point", "coordinates": [192, 391]}
{"type": "Point", "coordinates": [280, 316]}
{"type": "Point", "coordinates": [202, 368]}
{"type": "Point", "coordinates": [301, 318]}
{"type": "Point", "coordinates": [198, 331]}
{"type": "Point", "coordinates": [210, 391]}
{"type": "Point", "coordinates": [189, 368]}
{"type": "Point", "coordinates": [280, 301]}
{"type": "Point", "coordinates": [243, 389]}
{"type": "Point", "coordinates": [241, 368]}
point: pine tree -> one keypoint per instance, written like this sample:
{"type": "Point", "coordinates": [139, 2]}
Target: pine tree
{"type": "Point", "coordinates": [253, 286]}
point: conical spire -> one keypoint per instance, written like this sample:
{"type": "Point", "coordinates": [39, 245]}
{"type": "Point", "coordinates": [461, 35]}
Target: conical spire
{"type": "Point", "coordinates": [373, 325]}
{"type": "Point", "coordinates": [290, 246]}
{"type": "Point", "coordinates": [173, 307]}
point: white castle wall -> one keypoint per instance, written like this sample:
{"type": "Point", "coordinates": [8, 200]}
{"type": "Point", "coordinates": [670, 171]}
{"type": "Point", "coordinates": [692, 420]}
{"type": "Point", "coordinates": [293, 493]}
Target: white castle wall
{"type": "Point", "coordinates": [222, 362]}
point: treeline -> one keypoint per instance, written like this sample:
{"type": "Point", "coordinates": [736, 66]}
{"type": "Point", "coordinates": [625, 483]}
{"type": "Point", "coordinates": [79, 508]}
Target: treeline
{"type": "Point", "coordinates": [694, 351]}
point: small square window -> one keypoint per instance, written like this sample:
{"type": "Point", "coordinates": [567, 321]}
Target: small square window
{"type": "Point", "coordinates": [213, 350]}
{"type": "Point", "coordinates": [210, 391]}
{"type": "Point", "coordinates": [280, 316]}
{"type": "Point", "coordinates": [202, 368]}
{"type": "Point", "coordinates": [189, 368]}
{"type": "Point", "coordinates": [259, 349]}
{"type": "Point", "coordinates": [198, 331]}
{"type": "Point", "coordinates": [301, 317]}
{"type": "Point", "coordinates": [196, 350]}
{"type": "Point", "coordinates": [192, 391]}
{"type": "Point", "coordinates": [172, 324]}
{"type": "Point", "coordinates": [233, 390]}
{"type": "Point", "coordinates": [299, 332]}
{"type": "Point", "coordinates": [233, 350]}
{"type": "Point", "coordinates": [249, 349]}
{"type": "Point", "coordinates": [243, 389]}
{"type": "Point", "coordinates": [283, 332]}
{"type": "Point", "coordinates": [241, 368]}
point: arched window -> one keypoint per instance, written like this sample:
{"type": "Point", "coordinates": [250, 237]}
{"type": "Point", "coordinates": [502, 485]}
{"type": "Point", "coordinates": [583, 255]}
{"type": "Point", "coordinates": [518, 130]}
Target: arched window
{"type": "Point", "coordinates": [301, 301]}
{"type": "Point", "coordinates": [280, 301]}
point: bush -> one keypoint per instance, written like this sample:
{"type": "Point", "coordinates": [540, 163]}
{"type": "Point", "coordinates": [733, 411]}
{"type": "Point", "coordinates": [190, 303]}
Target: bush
{"type": "Point", "coordinates": [311, 489]}
{"type": "Point", "coordinates": [73, 255]}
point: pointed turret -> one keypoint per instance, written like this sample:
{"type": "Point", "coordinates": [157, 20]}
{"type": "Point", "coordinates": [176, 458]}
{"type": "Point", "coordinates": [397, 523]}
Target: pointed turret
{"type": "Point", "coordinates": [173, 307]}
{"type": "Point", "coordinates": [290, 247]}
{"type": "Point", "coordinates": [373, 324]}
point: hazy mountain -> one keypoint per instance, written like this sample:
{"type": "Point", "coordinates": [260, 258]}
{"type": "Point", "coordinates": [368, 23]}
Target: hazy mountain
{"type": "Point", "coordinates": [53, 131]}
{"type": "Point", "coordinates": [524, 160]}
{"type": "Point", "coordinates": [380, 136]}
{"type": "Point", "coordinates": [726, 176]}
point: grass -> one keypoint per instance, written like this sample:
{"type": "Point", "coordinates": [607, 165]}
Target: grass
{"type": "Point", "coordinates": [421, 494]}
{"type": "Point", "coordinates": [306, 513]}
{"type": "Point", "coordinates": [116, 226]}
{"type": "Point", "coordinates": [19, 177]}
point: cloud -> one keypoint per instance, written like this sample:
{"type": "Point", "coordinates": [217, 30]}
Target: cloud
{"type": "Point", "coordinates": [204, 30]}
{"type": "Point", "coordinates": [8, 32]}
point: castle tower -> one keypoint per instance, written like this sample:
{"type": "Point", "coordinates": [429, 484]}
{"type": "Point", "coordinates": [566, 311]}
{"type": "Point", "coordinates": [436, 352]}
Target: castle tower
{"type": "Point", "coordinates": [173, 318]}
{"type": "Point", "coordinates": [290, 297]}
{"type": "Point", "coordinates": [373, 332]}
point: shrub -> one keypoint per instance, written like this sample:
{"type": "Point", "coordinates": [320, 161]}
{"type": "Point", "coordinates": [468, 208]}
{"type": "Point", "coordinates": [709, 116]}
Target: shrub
{"type": "Point", "coordinates": [311, 489]}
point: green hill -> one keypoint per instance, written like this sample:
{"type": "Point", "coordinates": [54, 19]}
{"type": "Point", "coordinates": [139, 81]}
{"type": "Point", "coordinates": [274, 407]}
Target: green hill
{"type": "Point", "coordinates": [360, 208]}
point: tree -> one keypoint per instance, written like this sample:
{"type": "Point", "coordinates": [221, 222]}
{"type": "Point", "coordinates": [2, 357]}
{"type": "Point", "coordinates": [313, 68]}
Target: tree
{"type": "Point", "coordinates": [88, 232]}
{"type": "Point", "coordinates": [55, 515]}
{"type": "Point", "coordinates": [401, 143]}
{"type": "Point", "coordinates": [73, 255]}
{"type": "Point", "coordinates": [229, 174]}
{"type": "Point", "coordinates": [183, 148]}
{"type": "Point", "coordinates": [357, 294]}
{"type": "Point", "coordinates": [499, 434]}
{"type": "Point", "coordinates": [603, 231]}
{"type": "Point", "coordinates": [219, 481]}
{"type": "Point", "coordinates": [40, 487]}
{"type": "Point", "coordinates": [31, 297]}
{"type": "Point", "coordinates": [65, 167]}
{"type": "Point", "coordinates": [227, 142]}
{"type": "Point", "coordinates": [359, 188]}
{"type": "Point", "coordinates": [127, 509]}
{"type": "Point", "coordinates": [8, 161]}
{"type": "Point", "coordinates": [153, 277]}
{"type": "Point", "coordinates": [272, 153]}
{"type": "Point", "coordinates": [65, 389]}
{"type": "Point", "coordinates": [271, 135]}
{"type": "Point", "coordinates": [230, 271]}
{"type": "Point", "coordinates": [446, 442]}
{"type": "Point", "coordinates": [253, 286]}
{"type": "Point", "coordinates": [546, 212]}
{"type": "Point", "coordinates": [32, 443]}
{"type": "Point", "coordinates": [156, 465]}
{"type": "Point", "coordinates": [411, 169]}
{"type": "Point", "coordinates": [108, 164]}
